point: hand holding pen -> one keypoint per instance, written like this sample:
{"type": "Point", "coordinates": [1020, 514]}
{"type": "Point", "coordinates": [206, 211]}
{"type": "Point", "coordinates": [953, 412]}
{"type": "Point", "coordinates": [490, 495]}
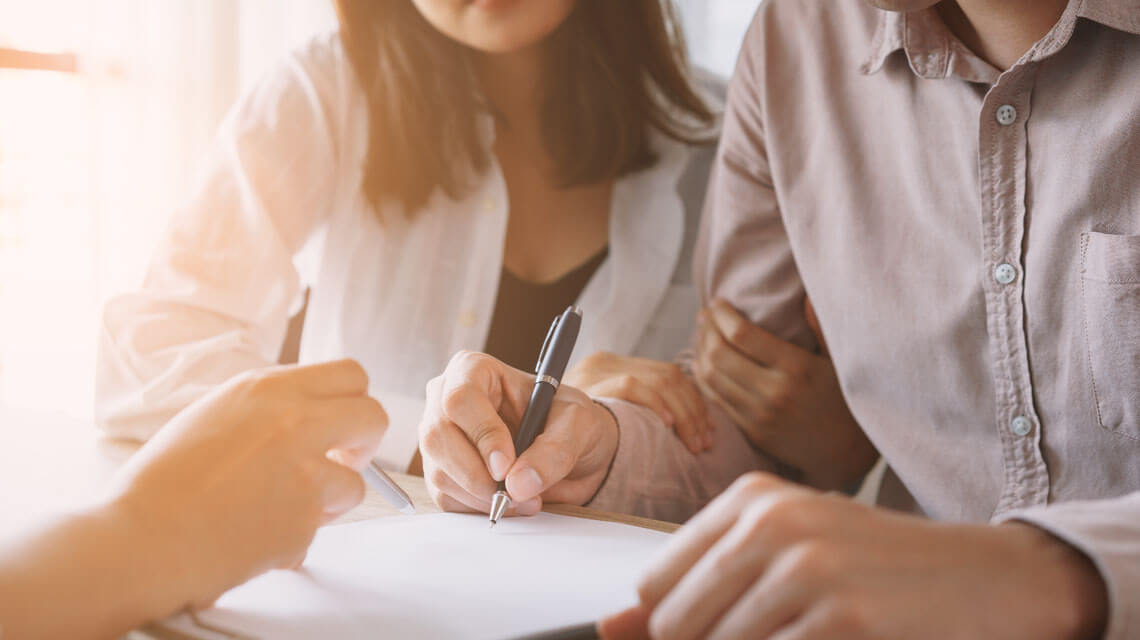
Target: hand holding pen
{"type": "Point", "coordinates": [468, 447]}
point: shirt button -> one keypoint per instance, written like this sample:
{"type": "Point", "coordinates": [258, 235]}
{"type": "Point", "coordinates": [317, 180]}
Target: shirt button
{"type": "Point", "coordinates": [1006, 115]}
{"type": "Point", "coordinates": [467, 319]}
{"type": "Point", "coordinates": [488, 205]}
{"type": "Point", "coordinates": [1022, 426]}
{"type": "Point", "coordinates": [1005, 273]}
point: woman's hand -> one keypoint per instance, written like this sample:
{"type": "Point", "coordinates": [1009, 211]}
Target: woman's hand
{"type": "Point", "coordinates": [660, 386]}
{"type": "Point", "coordinates": [466, 439]}
{"type": "Point", "coordinates": [785, 399]}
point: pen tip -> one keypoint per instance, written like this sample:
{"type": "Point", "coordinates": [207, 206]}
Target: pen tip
{"type": "Point", "coordinates": [492, 525]}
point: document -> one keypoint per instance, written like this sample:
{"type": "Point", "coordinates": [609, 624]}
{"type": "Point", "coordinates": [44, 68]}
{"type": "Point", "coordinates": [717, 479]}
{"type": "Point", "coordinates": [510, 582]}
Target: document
{"type": "Point", "coordinates": [444, 576]}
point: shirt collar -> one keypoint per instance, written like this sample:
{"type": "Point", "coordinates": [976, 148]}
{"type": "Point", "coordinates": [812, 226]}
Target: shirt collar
{"type": "Point", "coordinates": [933, 52]}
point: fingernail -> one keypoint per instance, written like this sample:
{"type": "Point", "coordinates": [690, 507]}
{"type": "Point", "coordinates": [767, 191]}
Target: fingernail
{"type": "Point", "coordinates": [524, 483]}
{"type": "Point", "coordinates": [708, 440]}
{"type": "Point", "coordinates": [499, 465]}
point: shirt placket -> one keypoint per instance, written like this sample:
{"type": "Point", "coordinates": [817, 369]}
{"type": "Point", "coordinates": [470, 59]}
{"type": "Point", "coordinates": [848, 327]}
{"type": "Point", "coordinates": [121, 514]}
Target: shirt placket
{"type": "Point", "coordinates": [1002, 156]}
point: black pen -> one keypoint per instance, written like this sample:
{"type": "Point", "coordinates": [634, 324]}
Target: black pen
{"type": "Point", "coordinates": [552, 361]}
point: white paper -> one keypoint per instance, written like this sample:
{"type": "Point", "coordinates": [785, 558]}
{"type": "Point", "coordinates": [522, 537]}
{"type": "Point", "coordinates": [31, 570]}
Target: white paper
{"type": "Point", "coordinates": [445, 576]}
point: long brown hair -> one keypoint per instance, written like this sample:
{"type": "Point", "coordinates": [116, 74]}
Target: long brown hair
{"type": "Point", "coordinates": [615, 69]}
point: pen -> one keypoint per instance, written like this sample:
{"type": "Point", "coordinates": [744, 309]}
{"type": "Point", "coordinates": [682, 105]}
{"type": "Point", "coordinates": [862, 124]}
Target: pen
{"type": "Point", "coordinates": [387, 488]}
{"type": "Point", "coordinates": [552, 361]}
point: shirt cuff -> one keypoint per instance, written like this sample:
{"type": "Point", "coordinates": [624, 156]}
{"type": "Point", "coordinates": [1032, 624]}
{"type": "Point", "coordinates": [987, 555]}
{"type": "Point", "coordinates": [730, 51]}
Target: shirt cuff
{"type": "Point", "coordinates": [636, 484]}
{"type": "Point", "coordinates": [1110, 537]}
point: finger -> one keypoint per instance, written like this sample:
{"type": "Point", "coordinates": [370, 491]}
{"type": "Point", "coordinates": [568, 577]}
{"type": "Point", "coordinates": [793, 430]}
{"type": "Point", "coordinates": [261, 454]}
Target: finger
{"type": "Point", "coordinates": [771, 604]}
{"type": "Point", "coordinates": [446, 448]}
{"type": "Point", "coordinates": [816, 624]}
{"type": "Point", "coordinates": [717, 354]}
{"type": "Point", "coordinates": [750, 339]}
{"type": "Point", "coordinates": [570, 435]}
{"type": "Point", "coordinates": [466, 401]}
{"type": "Point", "coordinates": [741, 419]}
{"type": "Point", "coordinates": [684, 399]}
{"type": "Point", "coordinates": [336, 378]}
{"type": "Point", "coordinates": [355, 423]}
{"type": "Point", "coordinates": [813, 324]}
{"type": "Point", "coordinates": [692, 541]}
{"type": "Point", "coordinates": [631, 624]}
{"type": "Point", "coordinates": [449, 489]}
{"type": "Point", "coordinates": [713, 584]}
{"type": "Point", "coordinates": [750, 411]}
{"type": "Point", "coordinates": [341, 489]}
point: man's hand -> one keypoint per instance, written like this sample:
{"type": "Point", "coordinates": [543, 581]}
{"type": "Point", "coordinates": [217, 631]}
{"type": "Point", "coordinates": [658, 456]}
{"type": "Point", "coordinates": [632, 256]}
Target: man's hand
{"type": "Point", "coordinates": [786, 400]}
{"type": "Point", "coordinates": [660, 386]}
{"type": "Point", "coordinates": [467, 443]}
{"type": "Point", "coordinates": [771, 560]}
{"type": "Point", "coordinates": [238, 483]}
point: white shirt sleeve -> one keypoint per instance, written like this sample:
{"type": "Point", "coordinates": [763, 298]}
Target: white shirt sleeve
{"type": "Point", "coordinates": [220, 287]}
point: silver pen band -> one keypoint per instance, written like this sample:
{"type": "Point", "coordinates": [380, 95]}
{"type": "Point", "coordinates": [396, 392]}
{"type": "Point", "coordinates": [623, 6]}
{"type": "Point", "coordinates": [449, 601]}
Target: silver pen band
{"type": "Point", "coordinates": [548, 380]}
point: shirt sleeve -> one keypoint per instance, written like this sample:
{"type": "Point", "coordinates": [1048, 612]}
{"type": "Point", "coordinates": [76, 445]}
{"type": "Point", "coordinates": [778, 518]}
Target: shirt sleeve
{"type": "Point", "coordinates": [742, 255]}
{"type": "Point", "coordinates": [1108, 532]}
{"type": "Point", "coordinates": [221, 285]}
{"type": "Point", "coordinates": [655, 476]}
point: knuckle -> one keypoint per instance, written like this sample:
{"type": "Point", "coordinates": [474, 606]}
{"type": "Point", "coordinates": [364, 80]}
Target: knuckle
{"type": "Point", "coordinates": [455, 398]}
{"type": "Point", "coordinates": [738, 333]}
{"type": "Point", "coordinates": [812, 560]}
{"type": "Point", "coordinates": [753, 484]}
{"type": "Point", "coordinates": [485, 436]}
{"type": "Point", "coordinates": [850, 616]}
{"type": "Point", "coordinates": [629, 383]}
{"type": "Point", "coordinates": [437, 478]}
{"type": "Point", "coordinates": [781, 398]}
{"type": "Point", "coordinates": [438, 497]}
{"type": "Point", "coordinates": [431, 439]}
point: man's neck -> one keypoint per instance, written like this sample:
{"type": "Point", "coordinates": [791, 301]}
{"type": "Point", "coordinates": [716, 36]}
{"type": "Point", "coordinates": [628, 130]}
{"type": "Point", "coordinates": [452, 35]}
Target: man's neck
{"type": "Point", "coordinates": [1001, 31]}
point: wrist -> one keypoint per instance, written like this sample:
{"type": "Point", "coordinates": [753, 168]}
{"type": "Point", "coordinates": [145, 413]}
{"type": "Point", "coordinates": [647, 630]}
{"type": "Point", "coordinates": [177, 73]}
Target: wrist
{"type": "Point", "coordinates": [611, 442]}
{"type": "Point", "coordinates": [156, 567]}
{"type": "Point", "coordinates": [1069, 581]}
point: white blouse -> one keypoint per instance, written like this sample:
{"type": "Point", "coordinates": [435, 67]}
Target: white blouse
{"type": "Point", "coordinates": [281, 208]}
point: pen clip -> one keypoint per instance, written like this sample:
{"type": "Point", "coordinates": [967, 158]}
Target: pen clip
{"type": "Point", "coordinates": [546, 344]}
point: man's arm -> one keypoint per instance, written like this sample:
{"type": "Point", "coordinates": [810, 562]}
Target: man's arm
{"type": "Point", "coordinates": [1108, 533]}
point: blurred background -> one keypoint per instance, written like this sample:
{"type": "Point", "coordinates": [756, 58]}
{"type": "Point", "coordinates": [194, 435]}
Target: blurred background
{"type": "Point", "coordinates": [106, 110]}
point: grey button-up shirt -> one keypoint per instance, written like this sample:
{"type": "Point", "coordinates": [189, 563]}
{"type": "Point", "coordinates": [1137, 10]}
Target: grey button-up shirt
{"type": "Point", "coordinates": [970, 239]}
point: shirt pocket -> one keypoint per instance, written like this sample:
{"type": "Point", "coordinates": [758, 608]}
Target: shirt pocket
{"type": "Point", "coordinates": [1110, 284]}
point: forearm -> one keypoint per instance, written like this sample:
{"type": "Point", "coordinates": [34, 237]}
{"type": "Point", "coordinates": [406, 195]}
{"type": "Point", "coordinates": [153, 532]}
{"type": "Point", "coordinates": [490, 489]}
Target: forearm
{"type": "Point", "coordinates": [92, 573]}
{"type": "Point", "coordinates": [655, 476]}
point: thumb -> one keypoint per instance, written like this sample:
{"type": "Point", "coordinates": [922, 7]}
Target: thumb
{"type": "Point", "coordinates": [813, 324]}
